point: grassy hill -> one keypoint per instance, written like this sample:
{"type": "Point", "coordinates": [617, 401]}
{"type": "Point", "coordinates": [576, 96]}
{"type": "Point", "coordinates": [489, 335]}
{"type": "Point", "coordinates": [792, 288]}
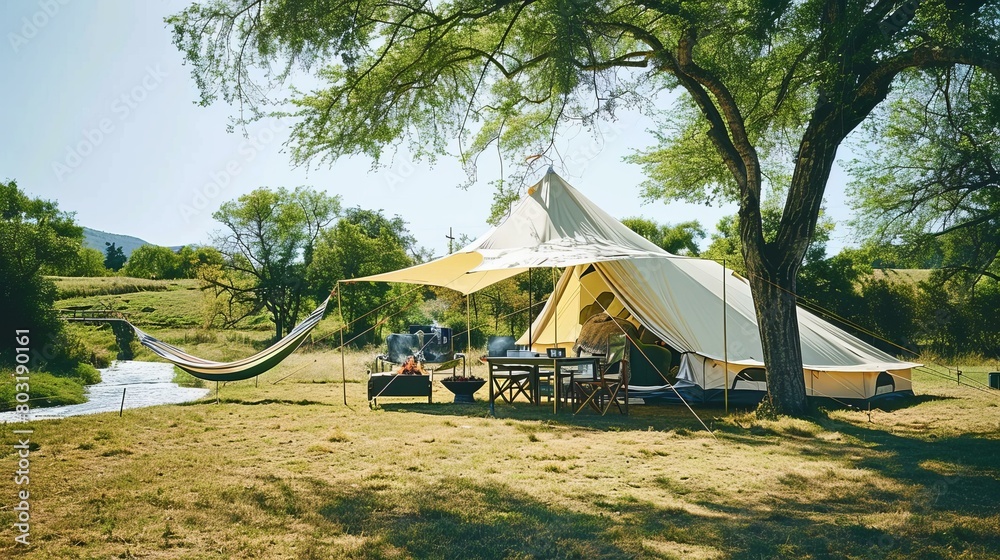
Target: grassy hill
{"type": "Point", "coordinates": [153, 303]}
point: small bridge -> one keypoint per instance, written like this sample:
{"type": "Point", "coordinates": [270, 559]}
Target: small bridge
{"type": "Point", "coordinates": [92, 315]}
{"type": "Point", "coordinates": [124, 335]}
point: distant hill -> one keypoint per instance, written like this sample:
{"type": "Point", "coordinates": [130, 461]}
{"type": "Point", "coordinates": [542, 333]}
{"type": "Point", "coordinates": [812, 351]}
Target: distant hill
{"type": "Point", "coordinates": [96, 240]}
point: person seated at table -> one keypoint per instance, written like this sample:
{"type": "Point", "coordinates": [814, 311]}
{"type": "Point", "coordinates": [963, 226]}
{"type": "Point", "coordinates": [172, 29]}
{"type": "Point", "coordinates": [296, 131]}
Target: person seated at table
{"type": "Point", "coordinates": [411, 367]}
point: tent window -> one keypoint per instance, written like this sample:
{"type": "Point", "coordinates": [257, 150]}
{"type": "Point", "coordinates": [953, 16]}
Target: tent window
{"type": "Point", "coordinates": [884, 383]}
{"type": "Point", "coordinates": [751, 379]}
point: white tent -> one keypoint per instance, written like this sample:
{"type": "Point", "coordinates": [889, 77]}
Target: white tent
{"type": "Point", "coordinates": [679, 299]}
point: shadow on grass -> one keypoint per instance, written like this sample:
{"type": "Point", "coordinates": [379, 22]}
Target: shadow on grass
{"type": "Point", "coordinates": [959, 474]}
{"type": "Point", "coordinates": [210, 399]}
{"type": "Point", "coordinates": [907, 402]}
{"type": "Point", "coordinates": [460, 518]}
{"type": "Point", "coordinates": [885, 405]}
{"type": "Point", "coordinates": [640, 418]}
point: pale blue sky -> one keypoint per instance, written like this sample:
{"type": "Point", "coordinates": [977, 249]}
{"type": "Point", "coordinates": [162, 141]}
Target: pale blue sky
{"type": "Point", "coordinates": [100, 115]}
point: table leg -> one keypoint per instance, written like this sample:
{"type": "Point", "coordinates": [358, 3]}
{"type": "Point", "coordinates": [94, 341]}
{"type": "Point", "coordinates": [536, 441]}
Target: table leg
{"type": "Point", "coordinates": [493, 411]}
{"type": "Point", "coordinates": [556, 386]}
{"type": "Point", "coordinates": [535, 393]}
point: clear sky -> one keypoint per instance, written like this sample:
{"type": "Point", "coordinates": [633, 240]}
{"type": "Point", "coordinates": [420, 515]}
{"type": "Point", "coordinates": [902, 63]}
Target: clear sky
{"type": "Point", "coordinates": [100, 114]}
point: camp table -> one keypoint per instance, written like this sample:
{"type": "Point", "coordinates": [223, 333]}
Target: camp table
{"type": "Point", "coordinates": [531, 366]}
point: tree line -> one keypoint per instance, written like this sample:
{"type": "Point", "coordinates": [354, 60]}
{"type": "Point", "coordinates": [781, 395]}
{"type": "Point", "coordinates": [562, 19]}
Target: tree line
{"type": "Point", "coordinates": [281, 251]}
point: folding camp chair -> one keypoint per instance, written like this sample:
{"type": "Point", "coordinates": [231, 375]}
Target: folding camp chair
{"type": "Point", "coordinates": [513, 382]}
{"type": "Point", "coordinates": [608, 386]}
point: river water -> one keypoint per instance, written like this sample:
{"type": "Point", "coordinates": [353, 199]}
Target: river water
{"type": "Point", "coordinates": [144, 383]}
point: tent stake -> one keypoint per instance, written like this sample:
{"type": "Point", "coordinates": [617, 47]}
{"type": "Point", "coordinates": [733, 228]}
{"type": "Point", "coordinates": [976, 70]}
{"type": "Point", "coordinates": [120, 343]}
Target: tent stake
{"type": "Point", "coordinates": [725, 339]}
{"type": "Point", "coordinates": [122, 409]}
{"type": "Point", "coordinates": [343, 363]}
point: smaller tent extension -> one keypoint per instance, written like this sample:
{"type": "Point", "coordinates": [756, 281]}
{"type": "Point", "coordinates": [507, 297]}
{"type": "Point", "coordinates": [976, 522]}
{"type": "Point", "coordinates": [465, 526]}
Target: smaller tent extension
{"type": "Point", "coordinates": [675, 301]}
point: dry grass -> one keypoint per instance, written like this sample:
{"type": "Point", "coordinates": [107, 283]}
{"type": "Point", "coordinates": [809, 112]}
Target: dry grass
{"type": "Point", "coordinates": [285, 470]}
{"type": "Point", "coordinates": [73, 287]}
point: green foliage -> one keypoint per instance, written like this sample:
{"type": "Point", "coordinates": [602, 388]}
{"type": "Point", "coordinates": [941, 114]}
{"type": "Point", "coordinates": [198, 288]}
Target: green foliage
{"type": "Point", "coordinates": [363, 243]}
{"type": "Point", "coordinates": [34, 235]}
{"type": "Point", "coordinates": [679, 239]}
{"type": "Point", "coordinates": [193, 258]}
{"type": "Point", "coordinates": [89, 262]}
{"type": "Point", "coordinates": [727, 243]}
{"type": "Point", "coordinates": [960, 320]}
{"type": "Point", "coordinates": [114, 257]}
{"type": "Point", "coordinates": [928, 182]}
{"type": "Point", "coordinates": [267, 253]}
{"type": "Point", "coordinates": [153, 262]}
{"type": "Point", "coordinates": [87, 374]}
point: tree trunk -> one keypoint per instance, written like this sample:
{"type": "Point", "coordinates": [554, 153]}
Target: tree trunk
{"type": "Point", "coordinates": [774, 302]}
{"type": "Point", "coordinates": [773, 266]}
{"type": "Point", "coordinates": [279, 324]}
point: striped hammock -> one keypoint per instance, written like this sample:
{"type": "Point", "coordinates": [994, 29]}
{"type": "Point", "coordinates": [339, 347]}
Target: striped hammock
{"type": "Point", "coordinates": [240, 369]}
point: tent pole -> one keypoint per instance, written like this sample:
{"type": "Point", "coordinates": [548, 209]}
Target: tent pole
{"type": "Point", "coordinates": [725, 339]}
{"type": "Point", "coordinates": [343, 361]}
{"type": "Point", "coordinates": [468, 331]}
{"type": "Point", "coordinates": [555, 344]}
{"type": "Point", "coordinates": [530, 303]}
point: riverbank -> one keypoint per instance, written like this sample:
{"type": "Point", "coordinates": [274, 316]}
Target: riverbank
{"type": "Point", "coordinates": [283, 469]}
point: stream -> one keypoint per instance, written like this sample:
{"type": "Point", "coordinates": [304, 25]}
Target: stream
{"type": "Point", "coordinates": [144, 383]}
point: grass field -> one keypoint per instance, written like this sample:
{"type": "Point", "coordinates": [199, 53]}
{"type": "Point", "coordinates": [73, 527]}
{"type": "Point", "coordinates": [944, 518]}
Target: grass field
{"type": "Point", "coordinates": [285, 469]}
{"type": "Point", "coordinates": [282, 468]}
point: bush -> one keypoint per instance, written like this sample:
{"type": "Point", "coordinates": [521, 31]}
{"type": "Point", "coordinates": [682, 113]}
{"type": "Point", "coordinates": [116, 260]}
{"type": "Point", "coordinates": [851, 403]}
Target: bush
{"type": "Point", "coordinates": [87, 374]}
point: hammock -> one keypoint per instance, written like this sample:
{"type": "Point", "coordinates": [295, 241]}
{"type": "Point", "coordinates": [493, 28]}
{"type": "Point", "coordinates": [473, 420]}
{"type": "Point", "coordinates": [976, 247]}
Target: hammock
{"type": "Point", "coordinates": [240, 369]}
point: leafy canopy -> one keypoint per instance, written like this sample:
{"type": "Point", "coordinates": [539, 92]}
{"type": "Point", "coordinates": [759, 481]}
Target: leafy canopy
{"type": "Point", "coordinates": [267, 248]}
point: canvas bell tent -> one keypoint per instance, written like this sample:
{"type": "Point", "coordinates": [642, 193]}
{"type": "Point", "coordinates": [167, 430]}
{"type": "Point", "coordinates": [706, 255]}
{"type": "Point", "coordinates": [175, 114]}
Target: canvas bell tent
{"type": "Point", "coordinates": [693, 321]}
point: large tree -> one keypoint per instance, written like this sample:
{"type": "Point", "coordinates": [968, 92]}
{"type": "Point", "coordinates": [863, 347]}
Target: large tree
{"type": "Point", "coordinates": [267, 250]}
{"type": "Point", "coordinates": [679, 239]}
{"type": "Point", "coordinates": [363, 243]}
{"type": "Point", "coordinates": [929, 181]}
{"type": "Point", "coordinates": [34, 235]}
{"type": "Point", "coordinates": [770, 90]}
